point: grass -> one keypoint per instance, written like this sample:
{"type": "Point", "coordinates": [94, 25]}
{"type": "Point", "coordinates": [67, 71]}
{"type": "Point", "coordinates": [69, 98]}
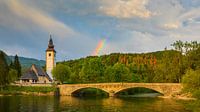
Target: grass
{"type": "Point", "coordinates": [17, 90]}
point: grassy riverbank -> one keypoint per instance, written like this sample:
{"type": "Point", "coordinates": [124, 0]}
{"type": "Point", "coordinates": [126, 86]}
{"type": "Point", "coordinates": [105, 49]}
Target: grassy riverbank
{"type": "Point", "coordinates": [20, 90]}
{"type": "Point", "coordinates": [193, 105]}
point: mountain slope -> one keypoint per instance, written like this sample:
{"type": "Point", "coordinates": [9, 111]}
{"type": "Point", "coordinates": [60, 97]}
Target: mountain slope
{"type": "Point", "coordinates": [6, 56]}
{"type": "Point", "coordinates": [27, 62]}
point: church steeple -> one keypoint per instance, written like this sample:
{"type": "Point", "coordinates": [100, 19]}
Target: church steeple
{"type": "Point", "coordinates": [50, 57]}
{"type": "Point", "coordinates": [50, 45]}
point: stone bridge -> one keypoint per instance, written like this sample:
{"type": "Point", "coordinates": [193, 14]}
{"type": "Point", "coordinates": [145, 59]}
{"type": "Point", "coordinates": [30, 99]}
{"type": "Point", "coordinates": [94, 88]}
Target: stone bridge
{"type": "Point", "coordinates": [167, 89]}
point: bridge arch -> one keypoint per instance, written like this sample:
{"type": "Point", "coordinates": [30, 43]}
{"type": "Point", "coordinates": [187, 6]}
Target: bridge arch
{"type": "Point", "coordinates": [154, 88]}
{"type": "Point", "coordinates": [77, 90]}
{"type": "Point", "coordinates": [125, 89]}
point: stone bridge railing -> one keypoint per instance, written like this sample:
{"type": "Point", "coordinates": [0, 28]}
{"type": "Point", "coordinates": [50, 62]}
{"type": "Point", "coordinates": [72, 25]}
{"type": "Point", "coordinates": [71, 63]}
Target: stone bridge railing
{"type": "Point", "coordinates": [167, 89]}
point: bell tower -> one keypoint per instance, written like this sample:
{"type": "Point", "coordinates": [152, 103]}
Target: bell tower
{"type": "Point", "coordinates": [50, 57]}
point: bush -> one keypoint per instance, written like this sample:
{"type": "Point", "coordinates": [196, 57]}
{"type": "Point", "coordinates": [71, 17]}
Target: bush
{"type": "Point", "coordinates": [191, 82]}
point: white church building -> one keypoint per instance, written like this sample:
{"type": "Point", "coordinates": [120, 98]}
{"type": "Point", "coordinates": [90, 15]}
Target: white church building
{"type": "Point", "coordinates": [36, 74]}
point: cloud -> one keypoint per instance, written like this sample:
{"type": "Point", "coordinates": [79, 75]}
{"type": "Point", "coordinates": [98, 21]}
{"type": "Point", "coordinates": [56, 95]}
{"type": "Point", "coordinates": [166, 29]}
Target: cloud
{"type": "Point", "coordinates": [137, 42]}
{"type": "Point", "coordinates": [125, 8]}
{"type": "Point", "coordinates": [39, 18]}
{"type": "Point", "coordinates": [23, 26]}
{"type": "Point", "coordinates": [130, 25]}
{"type": "Point", "coordinates": [175, 25]}
{"type": "Point", "coordinates": [20, 50]}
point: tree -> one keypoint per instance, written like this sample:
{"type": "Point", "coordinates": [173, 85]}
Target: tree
{"type": "Point", "coordinates": [118, 73]}
{"type": "Point", "coordinates": [74, 78]}
{"type": "Point", "coordinates": [122, 73]}
{"type": "Point", "coordinates": [12, 75]}
{"type": "Point", "coordinates": [109, 74]}
{"type": "Point", "coordinates": [93, 69]}
{"type": "Point", "coordinates": [191, 82]}
{"type": "Point", "coordinates": [17, 66]}
{"type": "Point", "coordinates": [82, 76]}
{"type": "Point", "coordinates": [178, 45]}
{"type": "Point", "coordinates": [169, 70]}
{"type": "Point", "coordinates": [4, 69]}
{"type": "Point", "coordinates": [61, 73]}
{"type": "Point", "coordinates": [11, 66]}
{"type": "Point", "coordinates": [133, 68]}
{"type": "Point", "coordinates": [193, 59]}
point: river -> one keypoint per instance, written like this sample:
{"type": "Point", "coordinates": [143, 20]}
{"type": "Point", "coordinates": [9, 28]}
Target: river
{"type": "Point", "coordinates": [74, 104]}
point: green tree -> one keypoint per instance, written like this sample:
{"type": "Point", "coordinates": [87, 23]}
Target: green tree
{"type": "Point", "coordinates": [194, 59]}
{"type": "Point", "coordinates": [74, 78]}
{"type": "Point", "coordinates": [121, 73]}
{"type": "Point", "coordinates": [109, 75]}
{"type": "Point", "coordinates": [17, 66]}
{"type": "Point", "coordinates": [169, 69]}
{"type": "Point", "coordinates": [12, 75]}
{"type": "Point", "coordinates": [93, 70]}
{"type": "Point", "coordinates": [191, 82]}
{"type": "Point", "coordinates": [83, 78]}
{"type": "Point", "coordinates": [11, 66]}
{"type": "Point", "coordinates": [4, 69]}
{"type": "Point", "coordinates": [118, 73]}
{"type": "Point", "coordinates": [134, 71]}
{"type": "Point", "coordinates": [178, 45]}
{"type": "Point", "coordinates": [61, 73]}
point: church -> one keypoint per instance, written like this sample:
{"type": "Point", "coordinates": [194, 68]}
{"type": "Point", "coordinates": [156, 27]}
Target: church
{"type": "Point", "coordinates": [36, 74]}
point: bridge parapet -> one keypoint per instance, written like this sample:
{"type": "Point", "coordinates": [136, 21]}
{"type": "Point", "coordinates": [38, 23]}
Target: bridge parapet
{"type": "Point", "coordinates": [167, 89]}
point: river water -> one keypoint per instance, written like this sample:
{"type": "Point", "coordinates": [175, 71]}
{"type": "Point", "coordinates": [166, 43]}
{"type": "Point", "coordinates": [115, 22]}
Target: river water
{"type": "Point", "coordinates": [74, 104]}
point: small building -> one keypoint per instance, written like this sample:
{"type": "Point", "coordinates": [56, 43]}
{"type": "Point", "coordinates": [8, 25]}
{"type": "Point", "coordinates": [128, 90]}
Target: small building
{"type": "Point", "coordinates": [35, 74]}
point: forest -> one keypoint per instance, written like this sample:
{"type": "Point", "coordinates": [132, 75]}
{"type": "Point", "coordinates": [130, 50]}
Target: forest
{"type": "Point", "coordinates": [161, 66]}
{"type": "Point", "coordinates": [178, 65]}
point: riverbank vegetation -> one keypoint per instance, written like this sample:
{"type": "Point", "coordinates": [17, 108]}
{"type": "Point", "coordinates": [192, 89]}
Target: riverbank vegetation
{"type": "Point", "coordinates": [18, 90]}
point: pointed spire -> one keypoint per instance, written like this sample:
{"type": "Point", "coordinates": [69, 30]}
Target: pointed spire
{"type": "Point", "coordinates": [50, 45]}
{"type": "Point", "coordinates": [50, 40]}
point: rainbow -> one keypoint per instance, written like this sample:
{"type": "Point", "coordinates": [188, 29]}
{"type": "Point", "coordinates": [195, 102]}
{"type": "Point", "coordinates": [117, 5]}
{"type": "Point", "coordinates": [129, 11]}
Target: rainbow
{"type": "Point", "coordinates": [99, 47]}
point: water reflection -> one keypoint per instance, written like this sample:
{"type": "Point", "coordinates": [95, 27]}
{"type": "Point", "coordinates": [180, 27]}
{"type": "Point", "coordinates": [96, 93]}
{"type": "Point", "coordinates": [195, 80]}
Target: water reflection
{"type": "Point", "coordinates": [26, 103]}
{"type": "Point", "coordinates": [121, 104]}
{"type": "Point", "coordinates": [73, 104]}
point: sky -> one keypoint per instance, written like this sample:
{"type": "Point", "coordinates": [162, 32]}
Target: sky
{"type": "Point", "coordinates": [82, 28]}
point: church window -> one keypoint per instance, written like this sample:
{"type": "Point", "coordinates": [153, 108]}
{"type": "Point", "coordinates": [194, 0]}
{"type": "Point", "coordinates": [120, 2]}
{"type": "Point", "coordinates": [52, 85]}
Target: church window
{"type": "Point", "coordinates": [49, 54]}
